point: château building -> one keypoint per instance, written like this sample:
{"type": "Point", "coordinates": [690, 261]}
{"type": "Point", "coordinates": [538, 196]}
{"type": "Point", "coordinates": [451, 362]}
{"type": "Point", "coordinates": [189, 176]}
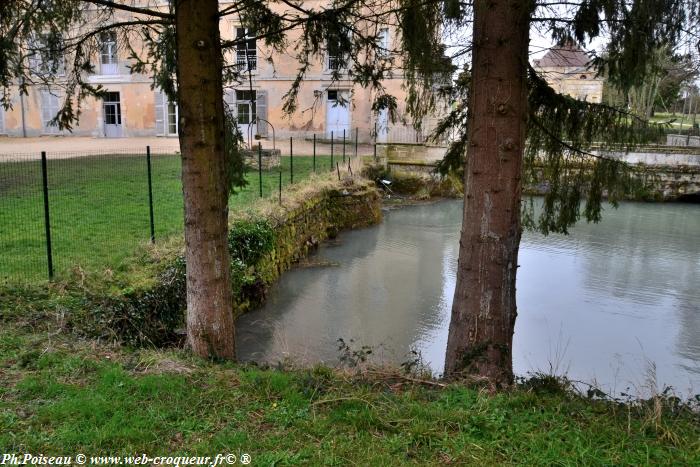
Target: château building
{"type": "Point", "coordinates": [131, 107]}
{"type": "Point", "coordinates": [568, 70]}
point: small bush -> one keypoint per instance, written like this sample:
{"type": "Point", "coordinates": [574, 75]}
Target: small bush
{"type": "Point", "coordinates": [249, 241]}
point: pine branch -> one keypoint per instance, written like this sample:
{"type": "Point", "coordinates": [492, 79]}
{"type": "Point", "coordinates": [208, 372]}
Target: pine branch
{"type": "Point", "coordinates": [132, 9]}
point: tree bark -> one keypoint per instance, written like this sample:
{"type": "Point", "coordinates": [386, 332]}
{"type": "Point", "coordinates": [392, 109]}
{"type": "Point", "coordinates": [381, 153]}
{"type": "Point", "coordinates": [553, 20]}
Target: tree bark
{"type": "Point", "coordinates": [210, 331]}
{"type": "Point", "coordinates": [481, 330]}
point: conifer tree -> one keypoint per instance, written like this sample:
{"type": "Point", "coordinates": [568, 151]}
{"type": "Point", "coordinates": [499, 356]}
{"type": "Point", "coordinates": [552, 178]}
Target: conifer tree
{"type": "Point", "coordinates": [515, 129]}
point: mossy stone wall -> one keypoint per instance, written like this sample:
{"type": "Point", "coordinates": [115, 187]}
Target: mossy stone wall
{"type": "Point", "coordinates": [317, 218]}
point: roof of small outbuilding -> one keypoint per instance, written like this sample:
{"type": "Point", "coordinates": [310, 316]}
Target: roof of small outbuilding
{"type": "Point", "coordinates": [567, 56]}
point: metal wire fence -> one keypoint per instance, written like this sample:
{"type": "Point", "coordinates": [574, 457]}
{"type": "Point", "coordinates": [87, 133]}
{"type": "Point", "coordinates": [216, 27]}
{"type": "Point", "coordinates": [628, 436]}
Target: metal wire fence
{"type": "Point", "coordinates": [68, 211]}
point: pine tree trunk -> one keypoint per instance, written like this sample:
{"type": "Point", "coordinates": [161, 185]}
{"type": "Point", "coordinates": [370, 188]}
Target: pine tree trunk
{"type": "Point", "coordinates": [483, 311]}
{"type": "Point", "coordinates": [210, 330]}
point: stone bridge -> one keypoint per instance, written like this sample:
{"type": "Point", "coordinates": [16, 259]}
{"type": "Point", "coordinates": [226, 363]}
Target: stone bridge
{"type": "Point", "coordinates": [676, 170]}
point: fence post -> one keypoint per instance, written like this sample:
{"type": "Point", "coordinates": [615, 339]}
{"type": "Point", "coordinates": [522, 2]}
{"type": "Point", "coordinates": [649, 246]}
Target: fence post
{"type": "Point", "coordinates": [375, 142]}
{"type": "Point", "coordinates": [343, 145]}
{"type": "Point", "coordinates": [291, 160]}
{"type": "Point", "coordinates": [260, 167]}
{"type": "Point", "coordinates": [357, 131]}
{"type": "Point", "coordinates": [337, 168]}
{"type": "Point", "coordinates": [150, 194]}
{"type": "Point", "coordinates": [314, 152]}
{"type": "Point", "coordinates": [331, 151]}
{"type": "Point", "coordinates": [47, 217]}
{"type": "Point", "coordinates": [280, 186]}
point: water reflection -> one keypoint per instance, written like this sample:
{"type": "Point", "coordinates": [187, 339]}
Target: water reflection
{"type": "Point", "coordinates": [605, 303]}
{"type": "Point", "coordinates": [386, 291]}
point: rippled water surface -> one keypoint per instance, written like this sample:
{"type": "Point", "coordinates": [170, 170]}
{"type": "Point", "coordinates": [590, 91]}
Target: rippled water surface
{"type": "Point", "coordinates": [612, 302]}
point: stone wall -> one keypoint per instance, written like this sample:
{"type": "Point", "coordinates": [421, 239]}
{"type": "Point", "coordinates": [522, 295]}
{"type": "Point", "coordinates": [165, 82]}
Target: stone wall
{"type": "Point", "coordinates": [665, 182]}
{"type": "Point", "coordinates": [682, 140]}
{"type": "Point", "coordinates": [269, 157]}
{"type": "Point", "coordinates": [410, 152]}
{"type": "Point", "coordinates": [673, 183]}
{"type": "Point", "coordinates": [662, 183]}
{"type": "Point", "coordinates": [320, 215]}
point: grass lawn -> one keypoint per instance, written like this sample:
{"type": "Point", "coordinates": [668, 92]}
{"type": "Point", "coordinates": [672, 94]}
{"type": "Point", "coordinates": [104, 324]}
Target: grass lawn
{"type": "Point", "coordinates": [60, 395]}
{"type": "Point", "coordinates": [680, 121]}
{"type": "Point", "coordinates": [99, 209]}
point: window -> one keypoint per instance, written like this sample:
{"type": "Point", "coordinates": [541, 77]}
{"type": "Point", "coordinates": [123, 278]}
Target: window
{"type": "Point", "coordinates": [108, 53]}
{"type": "Point", "coordinates": [2, 120]}
{"type": "Point", "coordinates": [112, 107]}
{"type": "Point", "coordinates": [336, 56]}
{"type": "Point", "coordinates": [246, 52]}
{"type": "Point", "coordinates": [383, 42]}
{"type": "Point", "coordinates": [171, 117]}
{"type": "Point", "coordinates": [46, 55]}
{"type": "Point", "coordinates": [337, 98]}
{"type": "Point", "coordinates": [245, 107]}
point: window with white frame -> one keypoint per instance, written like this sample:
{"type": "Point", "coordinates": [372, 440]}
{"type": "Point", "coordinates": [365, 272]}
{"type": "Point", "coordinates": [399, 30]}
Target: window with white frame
{"type": "Point", "coordinates": [246, 51]}
{"type": "Point", "coordinates": [171, 112]}
{"type": "Point", "coordinates": [46, 55]}
{"type": "Point", "coordinates": [245, 107]}
{"type": "Point", "coordinates": [108, 53]}
{"type": "Point", "coordinates": [383, 42]}
{"type": "Point", "coordinates": [335, 56]}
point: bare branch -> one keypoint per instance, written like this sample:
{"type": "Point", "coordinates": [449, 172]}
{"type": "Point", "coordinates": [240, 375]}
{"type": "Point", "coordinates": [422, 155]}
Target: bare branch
{"type": "Point", "coordinates": [132, 9]}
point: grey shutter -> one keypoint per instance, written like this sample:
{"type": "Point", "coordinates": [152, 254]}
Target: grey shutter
{"type": "Point", "coordinates": [2, 120]}
{"type": "Point", "coordinates": [160, 108]}
{"type": "Point", "coordinates": [261, 111]}
{"type": "Point", "coordinates": [230, 100]}
{"type": "Point", "coordinates": [49, 108]}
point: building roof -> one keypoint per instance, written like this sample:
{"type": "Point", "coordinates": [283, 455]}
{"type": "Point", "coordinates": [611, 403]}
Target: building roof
{"type": "Point", "coordinates": [567, 56]}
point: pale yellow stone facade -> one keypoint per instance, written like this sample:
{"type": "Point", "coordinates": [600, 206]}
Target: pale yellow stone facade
{"type": "Point", "coordinates": [135, 109]}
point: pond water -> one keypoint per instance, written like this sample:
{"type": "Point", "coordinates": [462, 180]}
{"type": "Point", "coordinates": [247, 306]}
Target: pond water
{"type": "Point", "coordinates": [612, 303]}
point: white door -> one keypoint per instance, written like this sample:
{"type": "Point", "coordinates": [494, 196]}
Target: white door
{"type": "Point", "coordinates": [246, 114]}
{"type": "Point", "coordinates": [338, 114]}
{"type": "Point", "coordinates": [383, 126]}
{"type": "Point", "coordinates": [112, 115]}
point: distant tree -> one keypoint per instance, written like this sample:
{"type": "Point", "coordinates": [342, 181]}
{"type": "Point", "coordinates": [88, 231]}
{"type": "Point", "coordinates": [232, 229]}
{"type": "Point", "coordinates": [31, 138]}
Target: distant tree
{"type": "Point", "coordinates": [667, 73]}
{"type": "Point", "coordinates": [683, 71]}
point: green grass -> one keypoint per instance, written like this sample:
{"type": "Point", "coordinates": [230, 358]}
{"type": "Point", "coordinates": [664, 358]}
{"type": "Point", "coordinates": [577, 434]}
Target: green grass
{"type": "Point", "coordinates": [99, 209]}
{"type": "Point", "coordinates": [66, 396]}
{"type": "Point", "coordinates": [679, 121]}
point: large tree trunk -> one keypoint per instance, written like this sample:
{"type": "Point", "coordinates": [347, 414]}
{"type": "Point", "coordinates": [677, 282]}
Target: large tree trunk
{"type": "Point", "coordinates": [200, 97]}
{"type": "Point", "coordinates": [483, 312]}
